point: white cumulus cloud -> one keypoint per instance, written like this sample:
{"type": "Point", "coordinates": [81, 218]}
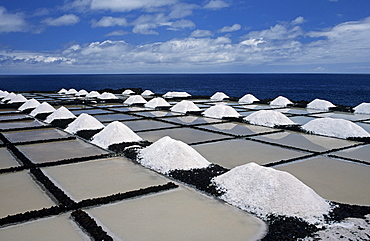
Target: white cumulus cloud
{"type": "Point", "coordinates": [201, 33]}
{"type": "Point", "coordinates": [216, 4]}
{"type": "Point", "coordinates": [10, 22]}
{"type": "Point", "coordinates": [233, 28]}
{"type": "Point", "coordinates": [109, 22]}
{"type": "Point", "coordinates": [128, 5]}
{"type": "Point", "coordinates": [67, 19]}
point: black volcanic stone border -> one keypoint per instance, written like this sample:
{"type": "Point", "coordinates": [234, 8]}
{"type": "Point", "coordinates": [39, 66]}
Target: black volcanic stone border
{"type": "Point", "coordinates": [88, 224]}
{"type": "Point", "coordinates": [26, 118]}
{"type": "Point", "coordinates": [42, 116]}
{"type": "Point", "coordinates": [342, 211]}
{"type": "Point", "coordinates": [62, 123]}
{"type": "Point", "coordinates": [87, 134]}
{"type": "Point", "coordinates": [120, 148]}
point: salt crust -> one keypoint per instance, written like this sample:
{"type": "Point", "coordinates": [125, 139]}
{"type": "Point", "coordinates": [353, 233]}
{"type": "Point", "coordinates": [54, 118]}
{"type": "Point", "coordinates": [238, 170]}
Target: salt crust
{"type": "Point", "coordinates": [335, 127]}
{"type": "Point", "coordinates": [62, 91]}
{"type": "Point", "coordinates": [115, 133]}
{"type": "Point", "coordinates": [318, 104]}
{"type": "Point", "coordinates": [107, 96]}
{"type": "Point", "coordinates": [61, 113]}
{"type": "Point", "coordinates": [248, 99]}
{"type": "Point", "coordinates": [185, 106]}
{"type": "Point", "coordinates": [173, 94]}
{"type": "Point", "coordinates": [29, 104]}
{"type": "Point", "coordinates": [157, 102]}
{"type": "Point", "coordinates": [135, 99]}
{"type": "Point", "coordinates": [280, 101]}
{"type": "Point", "coordinates": [18, 99]}
{"type": "Point", "coordinates": [93, 94]}
{"type": "Point", "coordinates": [128, 92]}
{"type": "Point", "coordinates": [219, 96]}
{"type": "Point", "coordinates": [147, 93]}
{"type": "Point", "coordinates": [167, 154]}
{"type": "Point", "coordinates": [268, 118]}
{"type": "Point", "coordinates": [8, 97]}
{"type": "Point", "coordinates": [45, 107]}
{"type": "Point", "coordinates": [220, 110]}
{"type": "Point", "coordinates": [263, 191]}
{"type": "Point", "coordinates": [363, 108]}
{"type": "Point", "coordinates": [82, 93]}
{"type": "Point", "coordinates": [84, 122]}
{"type": "Point", "coordinates": [71, 92]}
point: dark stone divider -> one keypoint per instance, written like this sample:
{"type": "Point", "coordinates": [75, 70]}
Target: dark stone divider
{"type": "Point", "coordinates": [342, 211]}
{"type": "Point", "coordinates": [20, 119]}
{"type": "Point", "coordinates": [120, 148]}
{"type": "Point", "coordinates": [87, 134]}
{"type": "Point", "coordinates": [42, 116]}
{"type": "Point", "coordinates": [62, 123]}
{"type": "Point", "coordinates": [25, 128]}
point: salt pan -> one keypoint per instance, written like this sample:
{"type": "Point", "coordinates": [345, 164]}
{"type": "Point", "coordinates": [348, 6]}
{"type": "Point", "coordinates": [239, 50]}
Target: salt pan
{"type": "Point", "coordinates": [167, 154]}
{"type": "Point", "coordinates": [219, 96]}
{"type": "Point", "coordinates": [93, 94]}
{"type": "Point", "coordinates": [318, 104]}
{"type": "Point", "coordinates": [185, 106]}
{"type": "Point", "coordinates": [29, 104]}
{"type": "Point", "coordinates": [135, 99]}
{"type": "Point", "coordinates": [128, 92]}
{"type": "Point", "coordinates": [84, 122]}
{"type": "Point", "coordinates": [335, 127]}
{"type": "Point", "coordinates": [107, 96]}
{"type": "Point", "coordinates": [268, 118]}
{"type": "Point", "coordinates": [175, 94]}
{"type": "Point", "coordinates": [221, 110]}
{"type": "Point", "coordinates": [157, 102]}
{"type": "Point", "coordinates": [115, 133]}
{"type": "Point", "coordinates": [363, 108]}
{"type": "Point", "coordinates": [248, 99]}
{"type": "Point", "coordinates": [281, 101]}
{"type": "Point", "coordinates": [18, 99]}
{"type": "Point", "coordinates": [59, 114]}
{"type": "Point", "coordinates": [147, 93]}
{"type": "Point", "coordinates": [264, 191]}
{"type": "Point", "coordinates": [45, 107]}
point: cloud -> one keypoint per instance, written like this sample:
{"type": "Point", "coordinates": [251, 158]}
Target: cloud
{"type": "Point", "coordinates": [233, 28]}
{"type": "Point", "coordinates": [109, 22]}
{"type": "Point", "coordinates": [117, 33]}
{"type": "Point", "coordinates": [181, 10]}
{"type": "Point", "coordinates": [201, 33]}
{"type": "Point", "coordinates": [277, 32]}
{"type": "Point", "coordinates": [216, 4]}
{"type": "Point", "coordinates": [10, 22]}
{"type": "Point", "coordinates": [181, 24]}
{"type": "Point", "coordinates": [298, 20]}
{"type": "Point", "coordinates": [128, 5]}
{"type": "Point", "coordinates": [67, 19]}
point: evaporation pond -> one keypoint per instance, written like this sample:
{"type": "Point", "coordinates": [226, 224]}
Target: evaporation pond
{"type": "Point", "coordinates": [34, 135]}
{"type": "Point", "coordinates": [20, 124]}
{"type": "Point", "coordinates": [12, 117]}
{"type": "Point", "coordinates": [232, 153]}
{"type": "Point", "coordinates": [141, 125]}
{"type": "Point", "coordinates": [114, 117]}
{"type": "Point", "coordinates": [157, 113]}
{"type": "Point", "coordinates": [102, 177]}
{"type": "Point", "coordinates": [6, 159]}
{"type": "Point", "coordinates": [334, 180]}
{"type": "Point", "coordinates": [192, 120]}
{"type": "Point", "coordinates": [359, 153]}
{"type": "Point", "coordinates": [19, 193]}
{"type": "Point", "coordinates": [179, 214]}
{"type": "Point", "coordinates": [237, 128]}
{"type": "Point", "coordinates": [47, 229]}
{"type": "Point", "coordinates": [60, 150]}
{"type": "Point", "coordinates": [91, 111]}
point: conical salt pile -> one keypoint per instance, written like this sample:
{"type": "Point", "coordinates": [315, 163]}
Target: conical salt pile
{"type": "Point", "coordinates": [248, 99]}
{"type": "Point", "coordinates": [84, 122]}
{"type": "Point", "coordinates": [268, 118]}
{"type": "Point", "coordinates": [318, 104]}
{"type": "Point", "coordinates": [61, 113]}
{"type": "Point", "coordinates": [281, 101]}
{"type": "Point", "coordinates": [147, 93]}
{"type": "Point", "coordinates": [42, 109]}
{"type": "Point", "coordinates": [29, 104]}
{"type": "Point", "coordinates": [219, 96]}
{"type": "Point", "coordinates": [135, 99]}
{"type": "Point", "coordinates": [18, 99]}
{"type": "Point", "coordinates": [157, 102]}
{"type": "Point", "coordinates": [220, 111]}
{"type": "Point", "coordinates": [185, 106]}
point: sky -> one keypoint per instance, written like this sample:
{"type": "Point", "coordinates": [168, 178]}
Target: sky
{"type": "Point", "coordinates": [184, 36]}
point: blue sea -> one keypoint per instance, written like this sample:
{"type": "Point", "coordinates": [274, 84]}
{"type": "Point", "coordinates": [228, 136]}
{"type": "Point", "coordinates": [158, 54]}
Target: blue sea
{"type": "Point", "coordinates": [342, 89]}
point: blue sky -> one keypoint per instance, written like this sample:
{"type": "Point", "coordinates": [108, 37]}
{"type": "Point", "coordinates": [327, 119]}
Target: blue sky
{"type": "Point", "coordinates": [183, 36]}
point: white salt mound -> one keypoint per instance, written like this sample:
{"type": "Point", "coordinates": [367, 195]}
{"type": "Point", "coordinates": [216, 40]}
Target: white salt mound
{"type": "Point", "coordinates": [335, 127]}
{"type": "Point", "coordinates": [93, 94]}
{"type": "Point", "coordinates": [281, 101]}
{"type": "Point", "coordinates": [29, 104]}
{"type": "Point", "coordinates": [147, 93]}
{"type": "Point", "coordinates": [363, 108]}
{"type": "Point", "coordinates": [3, 93]}
{"type": "Point", "coordinates": [128, 92]}
{"type": "Point", "coordinates": [62, 91]}
{"type": "Point", "coordinates": [185, 106]}
{"type": "Point", "coordinates": [174, 94]}
{"type": "Point", "coordinates": [18, 99]}
{"type": "Point", "coordinates": [248, 99]}
{"type": "Point", "coordinates": [220, 110]}
{"type": "Point", "coordinates": [107, 96]}
{"type": "Point", "coordinates": [8, 97]}
{"type": "Point", "coordinates": [71, 92]}
{"type": "Point", "coordinates": [135, 99]}
{"type": "Point", "coordinates": [84, 122]}
{"type": "Point", "coordinates": [115, 133]}
{"type": "Point", "coordinates": [45, 107]}
{"type": "Point", "coordinates": [59, 114]}
{"type": "Point", "coordinates": [268, 118]}
{"type": "Point", "coordinates": [264, 190]}
{"type": "Point", "coordinates": [157, 102]}
{"type": "Point", "coordinates": [219, 96]}
{"type": "Point", "coordinates": [167, 154]}
{"type": "Point", "coordinates": [82, 93]}
{"type": "Point", "coordinates": [318, 104]}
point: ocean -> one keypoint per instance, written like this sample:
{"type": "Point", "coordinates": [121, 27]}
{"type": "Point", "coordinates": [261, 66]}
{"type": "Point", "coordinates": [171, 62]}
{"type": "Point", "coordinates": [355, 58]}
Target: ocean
{"type": "Point", "coordinates": [342, 89]}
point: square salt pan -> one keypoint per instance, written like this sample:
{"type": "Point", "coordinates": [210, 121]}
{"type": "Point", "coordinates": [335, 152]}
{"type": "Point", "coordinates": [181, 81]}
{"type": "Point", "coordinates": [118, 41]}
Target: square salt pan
{"type": "Point", "coordinates": [20, 124]}
{"type": "Point", "coordinates": [12, 117]}
{"type": "Point", "coordinates": [7, 159]}
{"type": "Point", "coordinates": [179, 214]}
{"type": "Point", "coordinates": [334, 180]}
{"type": "Point", "coordinates": [19, 193]}
{"type": "Point", "coordinates": [142, 125]}
{"type": "Point", "coordinates": [301, 120]}
{"type": "Point", "coordinates": [128, 109]}
{"type": "Point", "coordinates": [186, 135]}
{"type": "Point", "coordinates": [191, 120]}
{"type": "Point", "coordinates": [102, 177]}
{"type": "Point", "coordinates": [157, 113]}
{"type": "Point", "coordinates": [34, 135]}
{"type": "Point", "coordinates": [91, 111]}
{"type": "Point", "coordinates": [47, 229]}
{"type": "Point", "coordinates": [60, 150]}
{"type": "Point", "coordinates": [237, 128]}
{"type": "Point", "coordinates": [346, 116]}
{"type": "Point", "coordinates": [359, 153]}
{"type": "Point", "coordinates": [234, 153]}
{"type": "Point", "coordinates": [305, 141]}
{"type": "Point", "coordinates": [115, 117]}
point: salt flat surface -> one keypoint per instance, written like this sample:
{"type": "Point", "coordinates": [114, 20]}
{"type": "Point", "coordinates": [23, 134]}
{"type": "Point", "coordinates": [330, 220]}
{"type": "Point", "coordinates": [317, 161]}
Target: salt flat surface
{"type": "Point", "coordinates": [236, 128]}
{"type": "Point", "coordinates": [141, 125]}
{"type": "Point", "coordinates": [20, 124]}
{"type": "Point", "coordinates": [167, 154]}
{"type": "Point", "coordinates": [264, 191]}
{"type": "Point", "coordinates": [7, 159]}
{"type": "Point", "coordinates": [34, 135]}
{"type": "Point", "coordinates": [358, 153]}
{"type": "Point", "coordinates": [180, 214]}
{"type": "Point", "coordinates": [115, 117]}
{"type": "Point", "coordinates": [268, 118]}
{"type": "Point", "coordinates": [345, 116]}
{"type": "Point", "coordinates": [334, 180]}
{"type": "Point", "coordinates": [191, 120]}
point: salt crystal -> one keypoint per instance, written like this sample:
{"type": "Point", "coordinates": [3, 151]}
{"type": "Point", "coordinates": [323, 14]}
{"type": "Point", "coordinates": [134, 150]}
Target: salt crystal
{"type": "Point", "coordinates": [62, 91]}
{"type": "Point", "coordinates": [71, 92]}
{"type": "Point", "coordinates": [18, 99]}
{"type": "Point", "coordinates": [107, 96]}
{"type": "Point", "coordinates": [93, 94]}
{"type": "Point", "coordinates": [82, 93]}
{"type": "Point", "coordinates": [128, 92]}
